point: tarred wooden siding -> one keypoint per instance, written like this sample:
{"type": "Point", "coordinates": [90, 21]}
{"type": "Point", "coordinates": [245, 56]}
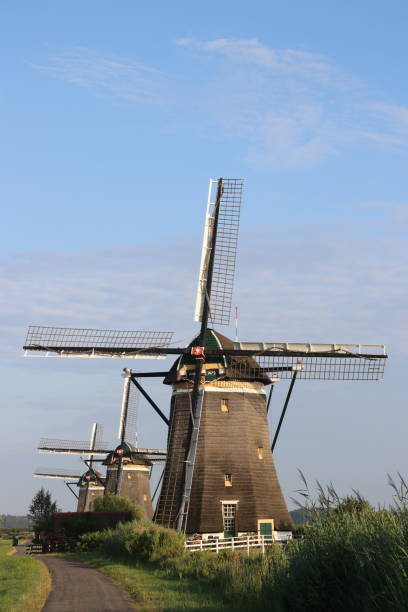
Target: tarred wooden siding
{"type": "Point", "coordinates": [228, 443]}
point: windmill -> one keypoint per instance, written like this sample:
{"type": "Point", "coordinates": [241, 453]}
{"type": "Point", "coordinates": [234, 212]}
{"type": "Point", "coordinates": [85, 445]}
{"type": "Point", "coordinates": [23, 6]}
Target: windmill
{"type": "Point", "coordinates": [128, 467]}
{"type": "Point", "coordinates": [219, 478]}
{"type": "Point", "coordinates": [91, 483]}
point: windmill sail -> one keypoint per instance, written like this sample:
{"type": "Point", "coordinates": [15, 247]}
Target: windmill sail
{"type": "Point", "coordinates": [76, 342]}
{"type": "Point", "coordinates": [310, 361]}
{"type": "Point", "coordinates": [229, 194]}
{"type": "Point", "coordinates": [75, 447]}
{"type": "Point", "coordinates": [63, 473]}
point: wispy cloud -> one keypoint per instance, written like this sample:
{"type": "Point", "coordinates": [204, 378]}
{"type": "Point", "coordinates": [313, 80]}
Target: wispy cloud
{"type": "Point", "coordinates": [122, 78]}
{"type": "Point", "coordinates": [286, 107]}
{"type": "Point", "coordinates": [318, 289]}
{"type": "Point", "coordinates": [295, 107]}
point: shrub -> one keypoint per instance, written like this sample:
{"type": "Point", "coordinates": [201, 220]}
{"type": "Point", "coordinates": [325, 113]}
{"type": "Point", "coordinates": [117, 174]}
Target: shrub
{"type": "Point", "coordinates": [108, 541]}
{"type": "Point", "coordinates": [155, 543]}
{"type": "Point", "coordinates": [114, 503]}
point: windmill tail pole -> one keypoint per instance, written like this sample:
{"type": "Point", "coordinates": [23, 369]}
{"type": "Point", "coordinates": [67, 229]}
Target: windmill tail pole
{"type": "Point", "coordinates": [282, 416]}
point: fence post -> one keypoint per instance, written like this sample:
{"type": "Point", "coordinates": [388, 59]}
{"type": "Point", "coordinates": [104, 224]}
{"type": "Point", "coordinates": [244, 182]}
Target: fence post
{"type": "Point", "coordinates": [263, 544]}
{"type": "Point", "coordinates": [216, 546]}
{"type": "Point", "coordinates": [248, 545]}
{"type": "Point", "coordinates": [232, 542]}
{"type": "Point", "coordinates": [201, 544]}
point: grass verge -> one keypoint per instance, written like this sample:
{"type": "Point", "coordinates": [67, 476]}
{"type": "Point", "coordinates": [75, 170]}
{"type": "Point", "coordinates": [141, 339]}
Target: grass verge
{"type": "Point", "coordinates": [24, 582]}
{"type": "Point", "coordinates": [152, 589]}
{"type": "Point", "coordinates": [5, 548]}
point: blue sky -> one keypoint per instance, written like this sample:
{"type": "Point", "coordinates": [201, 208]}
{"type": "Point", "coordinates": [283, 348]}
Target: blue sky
{"type": "Point", "coordinates": [113, 118]}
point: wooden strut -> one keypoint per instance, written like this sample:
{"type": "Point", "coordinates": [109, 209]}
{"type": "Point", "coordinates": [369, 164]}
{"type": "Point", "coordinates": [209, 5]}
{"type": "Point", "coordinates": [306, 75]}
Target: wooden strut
{"type": "Point", "coordinates": [282, 416]}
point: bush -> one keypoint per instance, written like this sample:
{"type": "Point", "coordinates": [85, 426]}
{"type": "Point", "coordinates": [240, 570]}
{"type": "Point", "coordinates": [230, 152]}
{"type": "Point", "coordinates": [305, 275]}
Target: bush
{"type": "Point", "coordinates": [114, 503]}
{"type": "Point", "coordinates": [108, 541]}
{"type": "Point", "coordinates": [155, 544]}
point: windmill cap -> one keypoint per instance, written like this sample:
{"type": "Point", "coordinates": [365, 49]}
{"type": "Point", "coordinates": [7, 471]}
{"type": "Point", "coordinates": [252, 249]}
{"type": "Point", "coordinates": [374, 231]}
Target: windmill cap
{"type": "Point", "coordinates": [233, 366]}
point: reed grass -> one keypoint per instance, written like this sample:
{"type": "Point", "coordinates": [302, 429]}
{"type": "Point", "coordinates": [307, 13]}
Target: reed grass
{"type": "Point", "coordinates": [352, 557]}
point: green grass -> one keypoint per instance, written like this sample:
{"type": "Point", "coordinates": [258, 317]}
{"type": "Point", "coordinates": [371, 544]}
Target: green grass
{"type": "Point", "coordinates": [24, 581]}
{"type": "Point", "coordinates": [5, 547]}
{"type": "Point", "coordinates": [151, 588]}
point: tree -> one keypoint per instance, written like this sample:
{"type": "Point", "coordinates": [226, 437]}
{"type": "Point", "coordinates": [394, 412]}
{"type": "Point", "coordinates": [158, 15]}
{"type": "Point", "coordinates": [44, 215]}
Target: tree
{"type": "Point", "coordinates": [114, 503]}
{"type": "Point", "coordinates": [41, 510]}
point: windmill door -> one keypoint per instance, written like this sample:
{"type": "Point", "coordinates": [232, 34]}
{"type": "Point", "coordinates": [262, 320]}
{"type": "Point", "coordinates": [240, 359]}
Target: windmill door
{"type": "Point", "coordinates": [229, 517]}
{"type": "Point", "coordinates": [265, 528]}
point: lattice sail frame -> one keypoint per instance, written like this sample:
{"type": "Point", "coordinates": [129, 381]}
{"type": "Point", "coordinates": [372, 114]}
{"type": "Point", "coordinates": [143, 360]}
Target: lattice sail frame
{"type": "Point", "coordinates": [78, 342]}
{"type": "Point", "coordinates": [62, 473]}
{"type": "Point", "coordinates": [77, 447]}
{"type": "Point", "coordinates": [312, 361]}
{"type": "Point", "coordinates": [225, 251]}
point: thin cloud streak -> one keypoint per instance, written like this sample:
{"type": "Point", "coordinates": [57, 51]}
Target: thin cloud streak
{"type": "Point", "coordinates": [129, 80]}
{"type": "Point", "coordinates": [288, 108]}
{"type": "Point", "coordinates": [295, 108]}
{"type": "Point", "coordinates": [317, 290]}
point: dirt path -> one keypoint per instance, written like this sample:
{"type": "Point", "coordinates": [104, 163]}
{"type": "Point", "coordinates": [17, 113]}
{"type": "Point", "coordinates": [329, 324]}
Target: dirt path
{"type": "Point", "coordinates": [79, 588]}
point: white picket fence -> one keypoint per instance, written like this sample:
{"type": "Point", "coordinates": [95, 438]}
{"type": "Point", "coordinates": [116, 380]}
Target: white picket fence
{"type": "Point", "coordinates": [242, 542]}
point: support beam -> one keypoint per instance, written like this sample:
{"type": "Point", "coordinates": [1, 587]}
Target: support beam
{"type": "Point", "coordinates": [69, 485]}
{"type": "Point", "coordinates": [149, 399]}
{"type": "Point", "coordinates": [269, 399]}
{"type": "Point", "coordinates": [158, 485]}
{"type": "Point", "coordinates": [282, 416]}
{"type": "Point", "coordinates": [149, 374]}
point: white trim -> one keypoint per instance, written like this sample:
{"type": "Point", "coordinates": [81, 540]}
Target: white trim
{"type": "Point", "coordinates": [129, 468]}
{"type": "Point", "coordinates": [224, 390]}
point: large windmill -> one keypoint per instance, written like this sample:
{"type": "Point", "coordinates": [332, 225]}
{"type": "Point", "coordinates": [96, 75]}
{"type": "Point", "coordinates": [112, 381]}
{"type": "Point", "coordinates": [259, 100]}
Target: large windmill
{"type": "Point", "coordinates": [128, 466]}
{"type": "Point", "coordinates": [219, 477]}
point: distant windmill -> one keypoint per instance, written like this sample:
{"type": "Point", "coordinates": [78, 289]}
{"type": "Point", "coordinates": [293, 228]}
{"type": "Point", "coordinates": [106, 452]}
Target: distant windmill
{"type": "Point", "coordinates": [128, 467]}
{"type": "Point", "coordinates": [219, 477]}
{"type": "Point", "coordinates": [91, 483]}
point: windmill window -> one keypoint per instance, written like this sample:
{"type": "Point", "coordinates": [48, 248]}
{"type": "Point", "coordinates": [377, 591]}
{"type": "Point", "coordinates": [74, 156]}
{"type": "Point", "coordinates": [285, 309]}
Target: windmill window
{"type": "Point", "coordinates": [224, 405]}
{"type": "Point", "coordinates": [260, 452]}
{"type": "Point", "coordinates": [145, 497]}
{"type": "Point", "coordinates": [229, 510]}
{"type": "Point", "coordinates": [228, 480]}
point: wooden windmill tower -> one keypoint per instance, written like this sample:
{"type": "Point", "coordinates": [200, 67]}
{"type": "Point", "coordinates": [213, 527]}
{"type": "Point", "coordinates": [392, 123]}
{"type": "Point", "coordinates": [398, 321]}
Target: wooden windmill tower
{"type": "Point", "coordinates": [219, 477]}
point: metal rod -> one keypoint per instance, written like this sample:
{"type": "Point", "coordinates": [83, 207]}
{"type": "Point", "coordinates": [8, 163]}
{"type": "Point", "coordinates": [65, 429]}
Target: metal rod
{"type": "Point", "coordinates": [149, 374]}
{"type": "Point", "coordinates": [69, 487]}
{"type": "Point", "coordinates": [269, 399]}
{"type": "Point", "coordinates": [149, 399]}
{"type": "Point", "coordinates": [158, 484]}
{"type": "Point", "coordinates": [292, 382]}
